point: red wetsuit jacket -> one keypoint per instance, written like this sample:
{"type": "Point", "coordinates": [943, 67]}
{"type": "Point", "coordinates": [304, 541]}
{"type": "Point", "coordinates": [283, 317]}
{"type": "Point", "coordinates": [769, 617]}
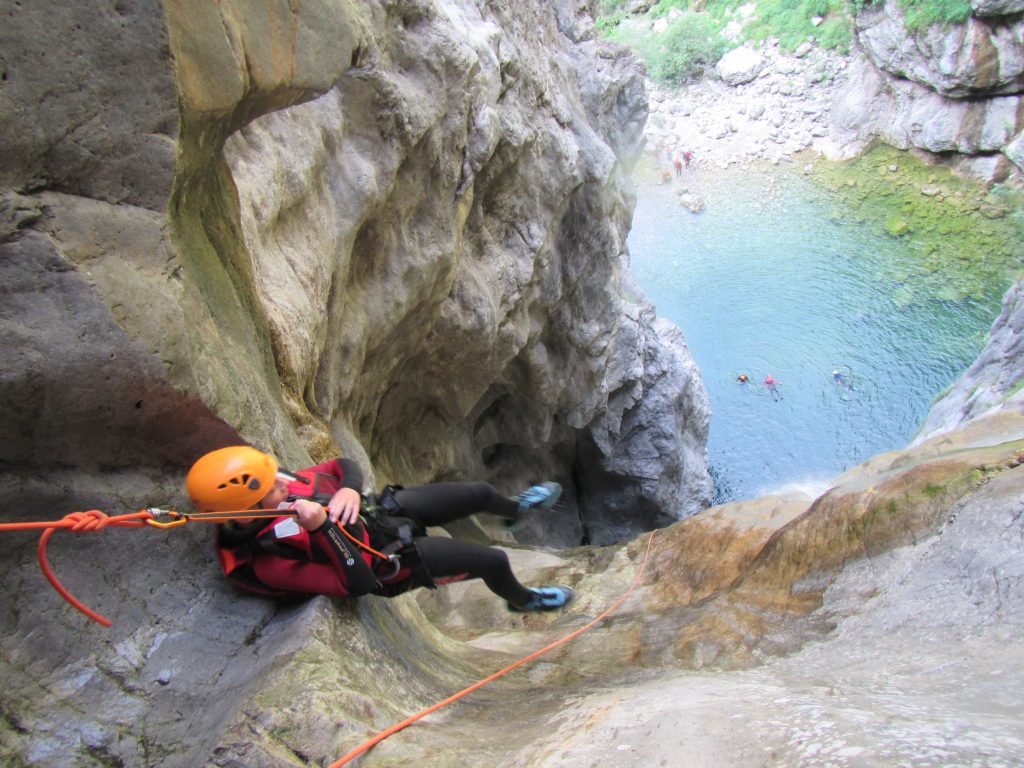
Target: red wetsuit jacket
{"type": "Point", "coordinates": [281, 558]}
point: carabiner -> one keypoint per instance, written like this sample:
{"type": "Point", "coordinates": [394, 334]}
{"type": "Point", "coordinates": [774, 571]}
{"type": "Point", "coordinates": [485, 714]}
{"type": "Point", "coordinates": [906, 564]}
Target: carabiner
{"type": "Point", "coordinates": [178, 518]}
{"type": "Point", "coordinates": [396, 563]}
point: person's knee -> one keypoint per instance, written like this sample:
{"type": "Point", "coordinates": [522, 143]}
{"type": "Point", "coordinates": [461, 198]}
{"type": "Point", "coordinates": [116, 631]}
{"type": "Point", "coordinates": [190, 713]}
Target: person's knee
{"type": "Point", "coordinates": [497, 560]}
{"type": "Point", "coordinates": [482, 493]}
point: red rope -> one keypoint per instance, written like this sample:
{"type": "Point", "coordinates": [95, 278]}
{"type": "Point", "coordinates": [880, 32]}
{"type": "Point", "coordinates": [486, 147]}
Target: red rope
{"type": "Point", "coordinates": [372, 742]}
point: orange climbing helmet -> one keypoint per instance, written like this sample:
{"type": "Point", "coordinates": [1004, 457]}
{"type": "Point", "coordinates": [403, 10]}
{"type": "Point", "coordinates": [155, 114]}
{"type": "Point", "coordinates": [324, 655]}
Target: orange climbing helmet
{"type": "Point", "coordinates": [231, 478]}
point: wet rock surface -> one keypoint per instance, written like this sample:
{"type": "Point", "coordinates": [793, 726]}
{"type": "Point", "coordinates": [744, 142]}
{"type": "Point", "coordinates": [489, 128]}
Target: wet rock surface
{"type": "Point", "coordinates": [875, 623]}
{"type": "Point", "coordinates": [994, 382]}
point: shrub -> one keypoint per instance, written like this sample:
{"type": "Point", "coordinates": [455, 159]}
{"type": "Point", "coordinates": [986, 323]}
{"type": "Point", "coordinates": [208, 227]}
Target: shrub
{"type": "Point", "coordinates": [791, 22]}
{"type": "Point", "coordinates": [611, 7]}
{"type": "Point", "coordinates": [691, 43]}
{"type": "Point", "coordinates": [835, 34]}
{"type": "Point", "coordinates": [662, 7]}
{"type": "Point", "coordinates": [605, 24]}
{"type": "Point", "coordinates": [627, 32]}
{"type": "Point", "coordinates": [689, 46]}
{"type": "Point", "coordinates": [922, 13]}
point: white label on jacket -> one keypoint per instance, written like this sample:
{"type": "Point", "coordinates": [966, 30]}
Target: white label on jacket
{"type": "Point", "coordinates": [286, 528]}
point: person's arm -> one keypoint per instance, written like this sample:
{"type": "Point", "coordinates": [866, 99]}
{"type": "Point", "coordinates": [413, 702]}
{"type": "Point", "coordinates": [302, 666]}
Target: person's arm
{"type": "Point", "coordinates": [351, 475]}
{"type": "Point", "coordinates": [351, 574]}
{"type": "Point", "coordinates": [345, 558]}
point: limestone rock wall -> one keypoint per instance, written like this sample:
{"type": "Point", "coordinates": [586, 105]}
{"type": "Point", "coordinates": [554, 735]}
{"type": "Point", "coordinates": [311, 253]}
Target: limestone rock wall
{"type": "Point", "coordinates": [394, 229]}
{"type": "Point", "coordinates": [995, 381]}
{"type": "Point", "coordinates": [981, 56]}
{"type": "Point", "coordinates": [945, 89]}
{"type": "Point", "coordinates": [953, 91]}
{"type": "Point", "coordinates": [435, 245]}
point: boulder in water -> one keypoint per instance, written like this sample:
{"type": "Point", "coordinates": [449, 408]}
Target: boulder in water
{"type": "Point", "coordinates": [896, 226]}
{"type": "Point", "coordinates": [691, 202]}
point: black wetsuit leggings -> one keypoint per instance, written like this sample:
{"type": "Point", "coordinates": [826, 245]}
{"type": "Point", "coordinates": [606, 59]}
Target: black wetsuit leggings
{"type": "Point", "coordinates": [440, 503]}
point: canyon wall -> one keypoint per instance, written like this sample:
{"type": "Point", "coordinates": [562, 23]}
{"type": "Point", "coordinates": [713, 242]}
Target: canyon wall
{"type": "Point", "coordinates": [396, 229]}
{"type": "Point", "coordinates": [393, 230]}
{"type": "Point", "coordinates": [953, 90]}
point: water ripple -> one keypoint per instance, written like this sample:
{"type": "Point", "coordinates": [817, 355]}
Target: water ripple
{"type": "Point", "coordinates": [767, 281]}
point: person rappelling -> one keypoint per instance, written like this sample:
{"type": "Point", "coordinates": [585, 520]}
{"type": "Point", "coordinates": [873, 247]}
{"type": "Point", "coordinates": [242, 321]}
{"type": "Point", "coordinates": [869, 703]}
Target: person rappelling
{"type": "Point", "coordinates": [311, 532]}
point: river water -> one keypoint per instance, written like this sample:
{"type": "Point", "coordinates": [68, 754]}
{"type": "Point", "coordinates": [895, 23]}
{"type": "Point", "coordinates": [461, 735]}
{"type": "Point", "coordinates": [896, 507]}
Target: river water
{"type": "Point", "coordinates": [769, 280]}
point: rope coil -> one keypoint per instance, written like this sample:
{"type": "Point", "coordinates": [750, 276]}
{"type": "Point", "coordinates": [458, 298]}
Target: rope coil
{"type": "Point", "coordinates": [95, 520]}
{"type": "Point", "coordinates": [79, 522]}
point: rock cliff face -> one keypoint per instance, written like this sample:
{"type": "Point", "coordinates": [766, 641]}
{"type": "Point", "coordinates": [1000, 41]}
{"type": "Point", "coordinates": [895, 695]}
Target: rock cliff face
{"type": "Point", "coordinates": [953, 91]}
{"type": "Point", "coordinates": [475, 321]}
{"type": "Point", "coordinates": [981, 56]}
{"type": "Point", "coordinates": [394, 229]}
{"type": "Point", "coordinates": [944, 89]}
{"type": "Point", "coordinates": [994, 383]}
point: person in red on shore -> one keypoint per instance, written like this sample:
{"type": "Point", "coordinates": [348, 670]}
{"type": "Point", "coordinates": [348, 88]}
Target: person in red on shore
{"type": "Point", "coordinates": [313, 533]}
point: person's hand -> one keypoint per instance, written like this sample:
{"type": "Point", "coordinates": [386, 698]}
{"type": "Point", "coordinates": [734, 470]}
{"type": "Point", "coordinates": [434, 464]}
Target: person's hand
{"type": "Point", "coordinates": [310, 514]}
{"type": "Point", "coordinates": [344, 506]}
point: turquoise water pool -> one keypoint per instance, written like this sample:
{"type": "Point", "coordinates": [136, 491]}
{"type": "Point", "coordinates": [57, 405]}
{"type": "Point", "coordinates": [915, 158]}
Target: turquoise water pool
{"type": "Point", "coordinates": [769, 280]}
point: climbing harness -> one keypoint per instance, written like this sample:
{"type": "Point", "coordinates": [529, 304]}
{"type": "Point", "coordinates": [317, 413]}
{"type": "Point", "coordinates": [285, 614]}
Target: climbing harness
{"type": "Point", "coordinates": [95, 520]}
{"type": "Point", "coordinates": [375, 740]}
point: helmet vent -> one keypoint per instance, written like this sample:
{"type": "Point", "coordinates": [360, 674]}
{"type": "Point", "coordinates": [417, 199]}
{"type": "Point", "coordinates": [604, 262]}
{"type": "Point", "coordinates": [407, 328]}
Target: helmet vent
{"type": "Point", "coordinates": [241, 480]}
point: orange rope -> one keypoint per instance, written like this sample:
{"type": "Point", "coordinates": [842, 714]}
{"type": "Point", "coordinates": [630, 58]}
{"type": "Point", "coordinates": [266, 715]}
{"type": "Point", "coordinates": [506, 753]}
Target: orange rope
{"type": "Point", "coordinates": [370, 743]}
{"type": "Point", "coordinates": [95, 520]}
{"type": "Point", "coordinates": [221, 517]}
{"type": "Point", "coordinates": [45, 565]}
{"type": "Point", "coordinates": [92, 520]}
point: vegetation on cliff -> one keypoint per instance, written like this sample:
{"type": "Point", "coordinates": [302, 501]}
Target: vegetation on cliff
{"type": "Point", "coordinates": [688, 37]}
{"type": "Point", "coordinates": [963, 232]}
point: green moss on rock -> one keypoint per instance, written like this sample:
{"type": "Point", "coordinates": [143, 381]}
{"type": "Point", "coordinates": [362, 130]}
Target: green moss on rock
{"type": "Point", "coordinates": [963, 238]}
{"type": "Point", "coordinates": [897, 226]}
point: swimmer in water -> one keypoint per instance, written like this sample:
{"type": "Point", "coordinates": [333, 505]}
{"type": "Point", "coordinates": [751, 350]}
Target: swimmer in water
{"type": "Point", "coordinates": [839, 378]}
{"type": "Point", "coordinates": [771, 384]}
